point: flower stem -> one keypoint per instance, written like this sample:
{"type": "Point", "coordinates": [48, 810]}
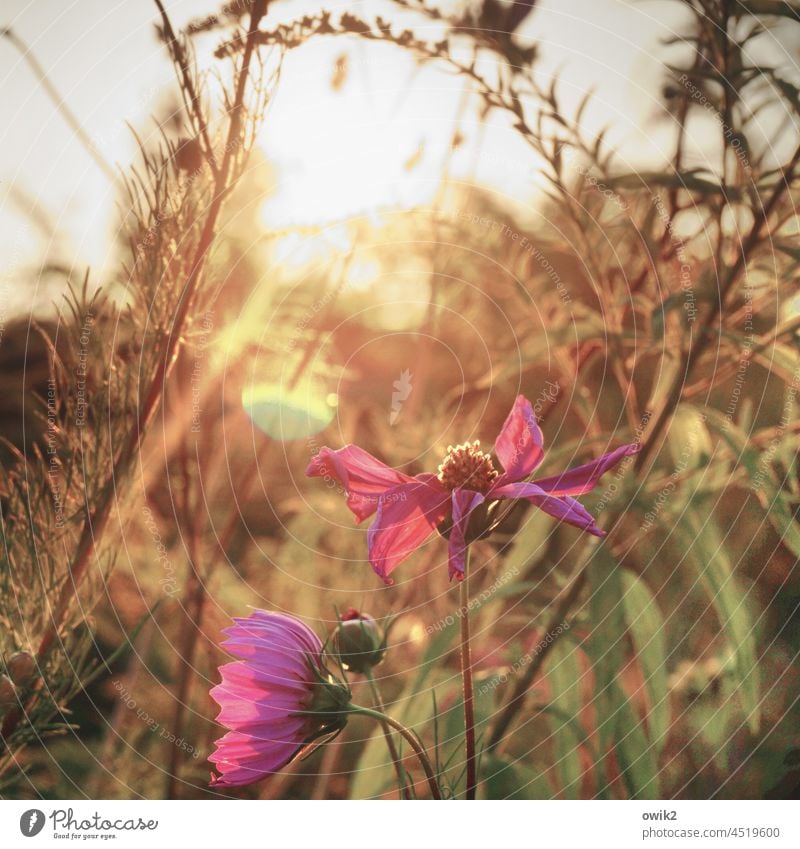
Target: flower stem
{"type": "Point", "coordinates": [394, 754]}
{"type": "Point", "coordinates": [466, 677]}
{"type": "Point", "coordinates": [410, 738]}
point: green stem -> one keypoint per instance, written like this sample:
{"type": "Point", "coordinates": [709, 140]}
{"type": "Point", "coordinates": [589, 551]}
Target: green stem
{"type": "Point", "coordinates": [409, 737]}
{"type": "Point", "coordinates": [466, 677]}
{"type": "Point", "coordinates": [394, 754]}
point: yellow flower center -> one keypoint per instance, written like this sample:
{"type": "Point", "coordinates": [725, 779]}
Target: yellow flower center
{"type": "Point", "coordinates": [466, 466]}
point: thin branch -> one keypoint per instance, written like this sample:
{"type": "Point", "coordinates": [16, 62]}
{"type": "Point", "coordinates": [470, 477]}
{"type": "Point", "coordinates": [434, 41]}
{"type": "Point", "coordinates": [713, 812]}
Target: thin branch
{"type": "Point", "coordinates": [68, 115]}
{"type": "Point", "coordinates": [188, 86]}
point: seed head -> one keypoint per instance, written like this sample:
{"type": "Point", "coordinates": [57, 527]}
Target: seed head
{"type": "Point", "coordinates": [467, 466]}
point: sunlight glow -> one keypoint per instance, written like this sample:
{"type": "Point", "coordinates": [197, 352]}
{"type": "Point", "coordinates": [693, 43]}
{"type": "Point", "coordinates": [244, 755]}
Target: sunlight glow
{"type": "Point", "coordinates": [286, 414]}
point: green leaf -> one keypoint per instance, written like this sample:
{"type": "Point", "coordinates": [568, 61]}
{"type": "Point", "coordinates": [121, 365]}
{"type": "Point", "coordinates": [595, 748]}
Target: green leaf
{"type": "Point", "coordinates": [763, 480]}
{"type": "Point", "coordinates": [687, 180]}
{"type": "Point", "coordinates": [784, 518]}
{"type": "Point", "coordinates": [666, 370]}
{"type": "Point", "coordinates": [646, 627]}
{"type": "Point", "coordinates": [782, 360]}
{"type": "Point", "coordinates": [703, 544]}
{"type": "Point", "coordinates": [688, 439]}
{"type": "Point", "coordinates": [504, 779]}
{"type": "Point", "coordinates": [712, 720]}
{"type": "Point", "coordinates": [703, 293]}
{"type": "Point", "coordinates": [573, 725]}
{"type": "Point", "coordinates": [618, 725]}
{"type": "Point", "coordinates": [564, 674]}
{"type": "Point", "coordinates": [635, 754]}
{"type": "Point", "coordinates": [607, 614]}
{"type": "Point", "coordinates": [530, 543]}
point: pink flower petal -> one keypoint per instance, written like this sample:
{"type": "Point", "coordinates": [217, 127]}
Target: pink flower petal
{"type": "Point", "coordinates": [282, 626]}
{"type": "Point", "coordinates": [407, 516]}
{"type": "Point", "coordinates": [240, 715]}
{"type": "Point", "coordinates": [289, 663]}
{"type": "Point", "coordinates": [363, 477]}
{"type": "Point", "coordinates": [272, 635]}
{"type": "Point", "coordinates": [260, 695]}
{"type": "Point", "coordinates": [583, 479]}
{"type": "Point", "coordinates": [464, 502]}
{"type": "Point", "coordinates": [243, 759]}
{"type": "Point", "coordinates": [564, 508]}
{"type": "Point", "coordinates": [244, 680]}
{"type": "Point", "coordinates": [519, 444]}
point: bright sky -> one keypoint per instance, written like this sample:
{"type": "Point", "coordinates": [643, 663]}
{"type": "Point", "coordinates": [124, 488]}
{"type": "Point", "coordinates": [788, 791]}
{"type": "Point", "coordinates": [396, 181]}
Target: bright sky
{"type": "Point", "coordinates": [335, 153]}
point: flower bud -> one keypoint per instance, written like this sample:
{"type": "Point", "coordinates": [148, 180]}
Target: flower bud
{"type": "Point", "coordinates": [21, 667]}
{"type": "Point", "coordinates": [359, 642]}
{"type": "Point", "coordinates": [8, 693]}
{"type": "Point", "coordinates": [189, 155]}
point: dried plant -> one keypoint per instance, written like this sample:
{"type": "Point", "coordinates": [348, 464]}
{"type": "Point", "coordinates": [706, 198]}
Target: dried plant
{"type": "Point", "coordinates": [103, 393]}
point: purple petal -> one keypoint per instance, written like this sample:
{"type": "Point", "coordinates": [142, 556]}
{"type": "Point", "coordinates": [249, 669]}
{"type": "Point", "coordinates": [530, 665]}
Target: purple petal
{"type": "Point", "coordinates": [245, 681]}
{"type": "Point", "coordinates": [283, 623]}
{"type": "Point", "coordinates": [464, 502]}
{"type": "Point", "coordinates": [583, 479]}
{"type": "Point", "coordinates": [276, 634]}
{"type": "Point", "coordinates": [363, 477]}
{"type": "Point", "coordinates": [242, 759]}
{"type": "Point", "coordinates": [291, 663]}
{"type": "Point", "coordinates": [564, 508]}
{"type": "Point", "coordinates": [260, 695]}
{"type": "Point", "coordinates": [407, 516]}
{"type": "Point", "coordinates": [249, 717]}
{"type": "Point", "coordinates": [519, 445]}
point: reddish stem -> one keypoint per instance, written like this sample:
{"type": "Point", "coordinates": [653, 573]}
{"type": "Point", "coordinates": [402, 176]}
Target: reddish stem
{"type": "Point", "coordinates": [466, 676]}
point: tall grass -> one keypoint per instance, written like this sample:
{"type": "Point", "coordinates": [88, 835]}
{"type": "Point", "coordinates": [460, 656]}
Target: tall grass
{"type": "Point", "coordinates": [655, 306]}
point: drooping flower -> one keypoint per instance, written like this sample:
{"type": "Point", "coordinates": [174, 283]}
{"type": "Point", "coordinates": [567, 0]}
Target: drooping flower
{"type": "Point", "coordinates": [409, 509]}
{"type": "Point", "coordinates": [276, 700]}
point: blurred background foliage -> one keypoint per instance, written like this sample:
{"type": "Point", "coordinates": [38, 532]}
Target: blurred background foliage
{"type": "Point", "coordinates": [657, 305]}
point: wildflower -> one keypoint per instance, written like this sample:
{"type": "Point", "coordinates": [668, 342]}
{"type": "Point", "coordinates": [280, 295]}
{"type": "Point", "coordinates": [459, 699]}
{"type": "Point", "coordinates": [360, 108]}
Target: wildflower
{"type": "Point", "coordinates": [409, 509]}
{"type": "Point", "coordinates": [276, 700]}
{"type": "Point", "coordinates": [359, 642]}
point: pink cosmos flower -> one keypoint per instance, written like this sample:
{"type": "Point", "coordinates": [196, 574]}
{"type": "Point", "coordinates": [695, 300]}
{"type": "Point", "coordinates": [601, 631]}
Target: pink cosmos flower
{"type": "Point", "coordinates": [409, 509]}
{"type": "Point", "coordinates": [276, 700]}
